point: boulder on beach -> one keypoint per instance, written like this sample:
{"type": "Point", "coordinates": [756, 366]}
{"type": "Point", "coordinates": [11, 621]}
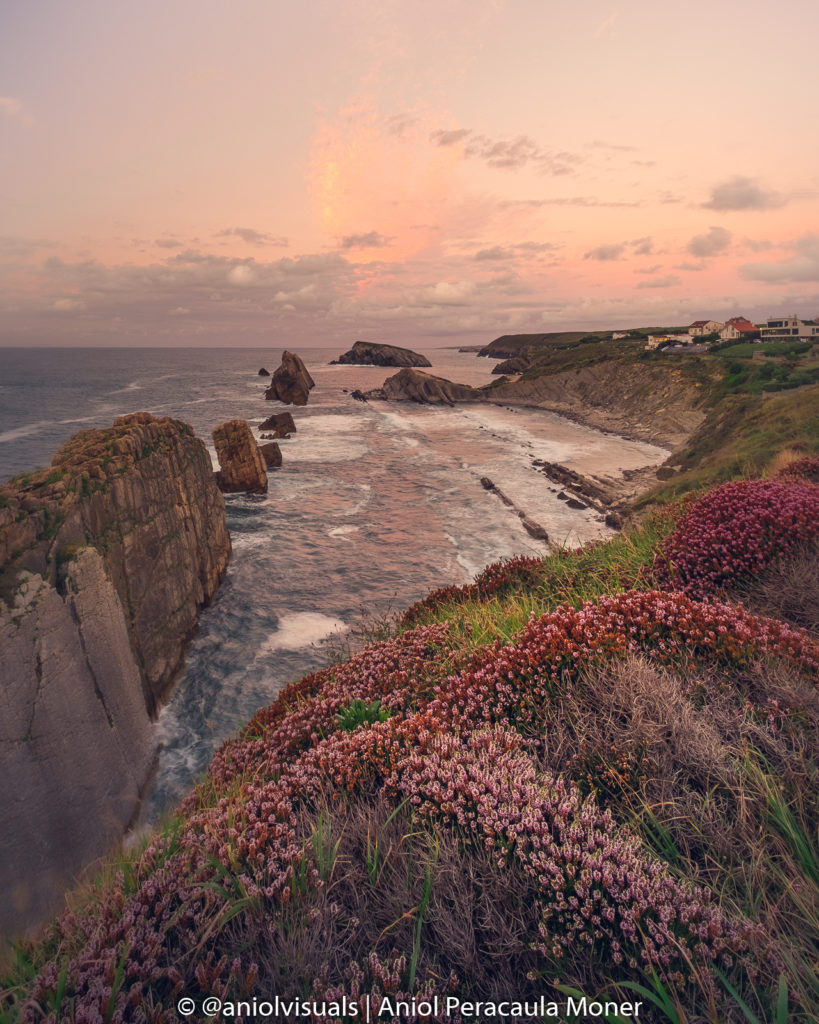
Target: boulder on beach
{"type": "Point", "coordinates": [241, 465]}
{"type": "Point", "coordinates": [365, 353]}
{"type": "Point", "coordinates": [290, 383]}
{"type": "Point", "coordinates": [281, 424]}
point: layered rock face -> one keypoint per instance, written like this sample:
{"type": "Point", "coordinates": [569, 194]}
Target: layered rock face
{"type": "Point", "coordinates": [410, 385]}
{"type": "Point", "coordinates": [241, 464]}
{"type": "Point", "coordinates": [364, 353]}
{"type": "Point", "coordinates": [106, 559]}
{"type": "Point", "coordinates": [290, 383]}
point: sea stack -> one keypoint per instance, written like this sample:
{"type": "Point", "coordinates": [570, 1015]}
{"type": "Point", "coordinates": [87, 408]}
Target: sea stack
{"type": "Point", "coordinates": [290, 383]}
{"type": "Point", "coordinates": [280, 423]}
{"type": "Point", "coordinates": [241, 464]}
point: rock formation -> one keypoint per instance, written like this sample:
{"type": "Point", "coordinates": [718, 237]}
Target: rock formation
{"type": "Point", "coordinates": [365, 353]}
{"type": "Point", "coordinates": [281, 423]}
{"type": "Point", "coordinates": [263, 373]}
{"type": "Point", "coordinates": [272, 455]}
{"type": "Point", "coordinates": [410, 385]}
{"type": "Point", "coordinates": [290, 383]}
{"type": "Point", "coordinates": [106, 559]}
{"type": "Point", "coordinates": [241, 464]}
{"type": "Point", "coordinates": [517, 364]}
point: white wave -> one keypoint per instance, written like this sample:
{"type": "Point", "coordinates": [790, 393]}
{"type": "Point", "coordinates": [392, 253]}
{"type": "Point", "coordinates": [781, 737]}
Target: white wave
{"type": "Point", "coordinates": [342, 531]}
{"type": "Point", "coordinates": [24, 431]}
{"type": "Point", "coordinates": [300, 629]}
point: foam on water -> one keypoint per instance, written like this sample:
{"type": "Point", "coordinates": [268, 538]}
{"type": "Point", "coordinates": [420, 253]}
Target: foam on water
{"type": "Point", "coordinates": [300, 629]}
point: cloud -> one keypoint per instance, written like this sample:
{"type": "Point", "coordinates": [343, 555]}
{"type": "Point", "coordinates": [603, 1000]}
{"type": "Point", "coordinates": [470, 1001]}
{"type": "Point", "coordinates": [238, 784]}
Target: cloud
{"type": "Point", "coordinates": [605, 252]}
{"type": "Point", "coordinates": [508, 154]}
{"type": "Point", "coordinates": [68, 305]}
{"type": "Point", "coordinates": [716, 241]}
{"type": "Point", "coordinates": [242, 274]}
{"type": "Point", "coordinates": [449, 138]}
{"type": "Point", "coordinates": [591, 201]}
{"type": "Point", "coordinates": [15, 108]}
{"type": "Point", "coordinates": [648, 270]}
{"type": "Point", "coordinates": [520, 250]}
{"type": "Point", "coordinates": [369, 240]}
{"type": "Point", "coordinates": [669, 281]}
{"type": "Point", "coordinates": [803, 265]}
{"type": "Point", "coordinates": [741, 193]}
{"type": "Point", "coordinates": [643, 246]}
{"type": "Point", "coordinates": [254, 237]}
{"type": "Point", "coordinates": [701, 265]}
{"type": "Point", "coordinates": [168, 243]}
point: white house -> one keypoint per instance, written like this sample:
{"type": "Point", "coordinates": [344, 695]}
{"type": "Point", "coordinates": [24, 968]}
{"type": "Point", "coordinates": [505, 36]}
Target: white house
{"type": "Point", "coordinates": [656, 340]}
{"type": "Point", "coordinates": [790, 328]}
{"type": "Point", "coordinates": [701, 327]}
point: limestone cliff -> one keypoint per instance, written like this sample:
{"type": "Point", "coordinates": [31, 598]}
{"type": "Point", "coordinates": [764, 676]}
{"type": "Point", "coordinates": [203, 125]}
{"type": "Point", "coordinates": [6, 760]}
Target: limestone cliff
{"type": "Point", "coordinates": [106, 559]}
{"type": "Point", "coordinates": [409, 385]}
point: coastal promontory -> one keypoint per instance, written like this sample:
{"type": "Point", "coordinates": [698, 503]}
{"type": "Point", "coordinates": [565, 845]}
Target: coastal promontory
{"type": "Point", "coordinates": [410, 385]}
{"type": "Point", "coordinates": [106, 558]}
{"type": "Point", "coordinates": [366, 353]}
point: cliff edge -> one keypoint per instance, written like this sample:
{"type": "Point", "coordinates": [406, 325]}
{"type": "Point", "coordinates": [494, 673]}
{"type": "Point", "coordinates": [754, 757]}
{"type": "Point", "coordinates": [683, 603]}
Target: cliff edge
{"type": "Point", "coordinates": [106, 559]}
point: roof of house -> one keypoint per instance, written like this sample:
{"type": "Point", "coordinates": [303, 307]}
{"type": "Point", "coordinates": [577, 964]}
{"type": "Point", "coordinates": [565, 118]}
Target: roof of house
{"type": "Point", "coordinates": [741, 324]}
{"type": "Point", "coordinates": [699, 323]}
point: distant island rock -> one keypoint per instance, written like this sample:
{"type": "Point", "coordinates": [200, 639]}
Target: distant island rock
{"type": "Point", "coordinates": [290, 383]}
{"type": "Point", "coordinates": [410, 385]}
{"type": "Point", "coordinates": [263, 373]}
{"type": "Point", "coordinates": [241, 464]}
{"type": "Point", "coordinates": [365, 353]}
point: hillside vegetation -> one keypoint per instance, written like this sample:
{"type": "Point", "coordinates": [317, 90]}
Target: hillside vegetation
{"type": "Point", "coordinates": [590, 774]}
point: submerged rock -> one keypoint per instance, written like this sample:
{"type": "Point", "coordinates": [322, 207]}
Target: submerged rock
{"type": "Point", "coordinates": [365, 353]}
{"type": "Point", "coordinates": [290, 383]}
{"type": "Point", "coordinates": [241, 464]}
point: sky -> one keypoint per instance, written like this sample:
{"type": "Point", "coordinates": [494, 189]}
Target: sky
{"type": "Point", "coordinates": [262, 173]}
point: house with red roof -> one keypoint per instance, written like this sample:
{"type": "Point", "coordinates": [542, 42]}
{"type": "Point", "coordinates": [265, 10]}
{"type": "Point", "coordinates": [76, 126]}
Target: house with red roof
{"type": "Point", "coordinates": [738, 328]}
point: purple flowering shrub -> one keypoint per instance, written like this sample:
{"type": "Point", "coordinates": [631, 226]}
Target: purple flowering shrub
{"type": "Point", "coordinates": [495, 580]}
{"type": "Point", "coordinates": [737, 531]}
{"type": "Point", "coordinates": [806, 468]}
{"type": "Point", "coordinates": [451, 748]}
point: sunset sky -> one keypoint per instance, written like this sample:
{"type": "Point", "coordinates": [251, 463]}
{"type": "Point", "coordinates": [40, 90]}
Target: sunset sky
{"type": "Point", "coordinates": [192, 172]}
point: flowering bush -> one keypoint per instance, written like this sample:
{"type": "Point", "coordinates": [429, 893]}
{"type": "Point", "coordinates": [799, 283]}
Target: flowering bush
{"type": "Point", "coordinates": [802, 469]}
{"type": "Point", "coordinates": [736, 532]}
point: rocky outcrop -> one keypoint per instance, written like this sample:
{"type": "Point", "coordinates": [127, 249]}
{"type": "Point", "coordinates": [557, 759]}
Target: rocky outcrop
{"type": "Point", "coordinates": [241, 464]}
{"type": "Point", "coordinates": [280, 423]}
{"type": "Point", "coordinates": [272, 455]}
{"type": "Point", "coordinates": [411, 385]}
{"type": "Point", "coordinates": [263, 373]}
{"type": "Point", "coordinates": [517, 364]}
{"type": "Point", "coordinates": [365, 353]}
{"type": "Point", "coordinates": [106, 559]}
{"type": "Point", "coordinates": [290, 383]}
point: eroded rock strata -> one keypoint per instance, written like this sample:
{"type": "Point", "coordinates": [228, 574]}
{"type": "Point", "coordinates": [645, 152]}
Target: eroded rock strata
{"type": "Point", "coordinates": [365, 353]}
{"type": "Point", "coordinates": [410, 385]}
{"type": "Point", "coordinates": [106, 559]}
{"type": "Point", "coordinates": [281, 424]}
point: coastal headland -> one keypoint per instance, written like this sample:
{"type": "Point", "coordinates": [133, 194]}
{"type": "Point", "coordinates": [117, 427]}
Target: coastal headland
{"type": "Point", "coordinates": [580, 773]}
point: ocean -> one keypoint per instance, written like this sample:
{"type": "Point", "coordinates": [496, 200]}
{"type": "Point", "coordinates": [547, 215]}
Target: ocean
{"type": "Point", "coordinates": [375, 505]}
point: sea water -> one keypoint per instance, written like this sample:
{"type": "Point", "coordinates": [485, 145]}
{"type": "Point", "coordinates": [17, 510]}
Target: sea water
{"type": "Point", "coordinates": [375, 505]}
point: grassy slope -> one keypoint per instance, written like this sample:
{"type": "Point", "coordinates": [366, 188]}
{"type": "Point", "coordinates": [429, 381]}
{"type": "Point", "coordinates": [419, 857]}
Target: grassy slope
{"type": "Point", "coordinates": [710, 764]}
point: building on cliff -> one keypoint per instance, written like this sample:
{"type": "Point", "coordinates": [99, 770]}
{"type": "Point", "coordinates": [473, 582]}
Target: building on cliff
{"type": "Point", "coordinates": [106, 559]}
